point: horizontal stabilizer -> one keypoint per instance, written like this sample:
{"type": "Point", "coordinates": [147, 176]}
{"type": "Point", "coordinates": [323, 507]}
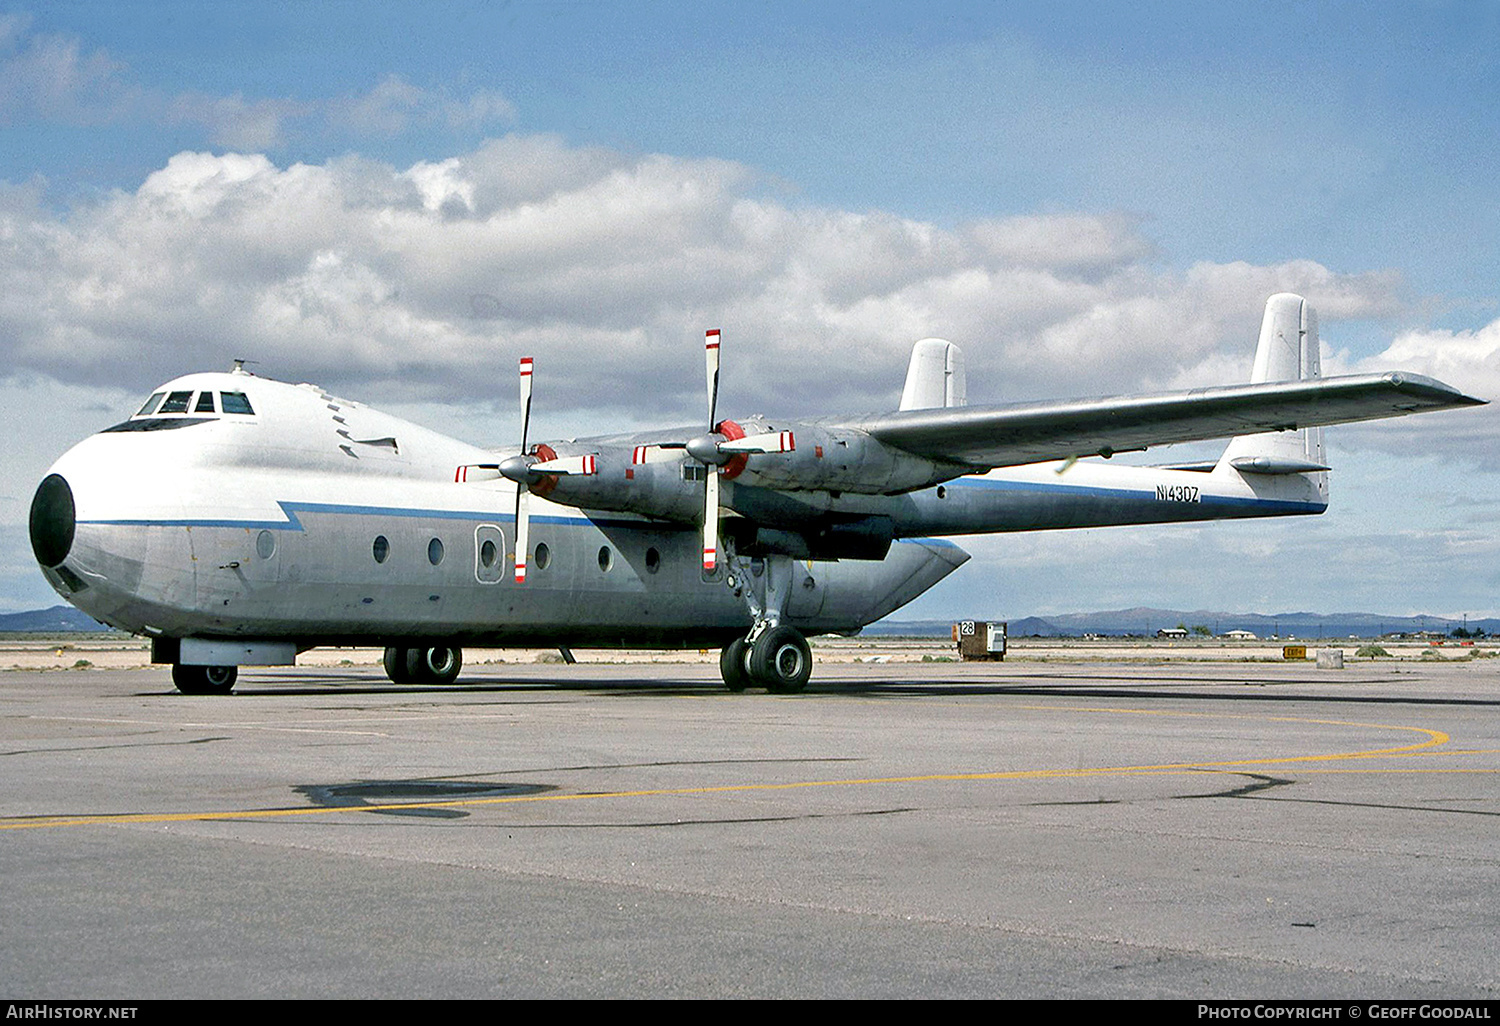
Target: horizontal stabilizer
{"type": "Point", "coordinates": [1270, 465]}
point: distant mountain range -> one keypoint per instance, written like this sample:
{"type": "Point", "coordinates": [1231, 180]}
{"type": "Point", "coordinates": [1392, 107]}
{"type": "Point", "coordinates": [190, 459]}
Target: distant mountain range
{"type": "Point", "coordinates": [1147, 621]}
{"type": "Point", "coordinates": [58, 618]}
{"type": "Point", "coordinates": [1118, 622]}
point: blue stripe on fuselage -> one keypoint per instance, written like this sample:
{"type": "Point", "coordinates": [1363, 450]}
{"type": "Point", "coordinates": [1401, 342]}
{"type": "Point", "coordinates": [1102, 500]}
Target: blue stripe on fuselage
{"type": "Point", "coordinates": [1134, 496]}
{"type": "Point", "coordinates": [294, 523]}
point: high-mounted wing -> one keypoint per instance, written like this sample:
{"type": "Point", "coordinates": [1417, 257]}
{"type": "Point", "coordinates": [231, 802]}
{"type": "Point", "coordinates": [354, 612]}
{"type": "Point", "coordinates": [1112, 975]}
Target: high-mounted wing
{"type": "Point", "coordinates": [1011, 435]}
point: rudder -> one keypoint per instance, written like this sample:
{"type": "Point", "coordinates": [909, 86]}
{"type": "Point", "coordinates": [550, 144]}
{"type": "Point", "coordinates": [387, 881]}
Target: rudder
{"type": "Point", "coordinates": [1287, 351]}
{"type": "Point", "coordinates": [935, 376]}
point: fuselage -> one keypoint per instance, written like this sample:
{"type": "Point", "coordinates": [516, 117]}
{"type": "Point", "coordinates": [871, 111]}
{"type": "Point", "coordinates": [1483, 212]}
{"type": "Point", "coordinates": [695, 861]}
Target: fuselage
{"type": "Point", "coordinates": [235, 506]}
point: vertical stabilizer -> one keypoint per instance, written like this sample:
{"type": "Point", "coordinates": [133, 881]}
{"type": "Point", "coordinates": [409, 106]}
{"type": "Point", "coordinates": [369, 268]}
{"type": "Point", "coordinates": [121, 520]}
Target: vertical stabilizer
{"type": "Point", "coordinates": [935, 376]}
{"type": "Point", "coordinates": [1288, 351]}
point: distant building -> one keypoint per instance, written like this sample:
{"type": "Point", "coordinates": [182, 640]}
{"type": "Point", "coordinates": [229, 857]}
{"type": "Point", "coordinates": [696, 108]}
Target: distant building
{"type": "Point", "coordinates": [1172, 632]}
{"type": "Point", "coordinates": [1240, 635]}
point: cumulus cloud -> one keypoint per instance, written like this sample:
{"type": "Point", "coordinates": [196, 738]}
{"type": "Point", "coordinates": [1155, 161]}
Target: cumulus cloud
{"type": "Point", "coordinates": [1467, 360]}
{"type": "Point", "coordinates": [427, 282]}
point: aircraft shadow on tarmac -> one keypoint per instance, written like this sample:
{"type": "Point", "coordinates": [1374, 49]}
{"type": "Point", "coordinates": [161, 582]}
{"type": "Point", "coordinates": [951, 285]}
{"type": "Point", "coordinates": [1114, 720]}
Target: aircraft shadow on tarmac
{"type": "Point", "coordinates": [1158, 687]}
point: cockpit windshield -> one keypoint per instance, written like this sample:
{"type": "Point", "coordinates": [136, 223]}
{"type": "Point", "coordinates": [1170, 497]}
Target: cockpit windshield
{"type": "Point", "coordinates": [177, 402]}
{"type": "Point", "coordinates": [164, 404]}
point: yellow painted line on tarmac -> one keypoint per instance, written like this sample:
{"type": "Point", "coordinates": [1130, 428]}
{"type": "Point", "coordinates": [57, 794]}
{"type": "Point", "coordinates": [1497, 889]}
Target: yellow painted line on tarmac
{"type": "Point", "coordinates": [1433, 738]}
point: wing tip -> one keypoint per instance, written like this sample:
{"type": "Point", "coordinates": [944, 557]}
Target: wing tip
{"type": "Point", "coordinates": [1410, 381]}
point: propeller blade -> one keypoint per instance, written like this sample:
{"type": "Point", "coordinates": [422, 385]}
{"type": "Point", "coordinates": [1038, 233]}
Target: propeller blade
{"type": "Point", "coordinates": [523, 531]}
{"type": "Point", "coordinates": [476, 472]}
{"type": "Point", "coordinates": [523, 513]}
{"type": "Point", "coordinates": [770, 441]}
{"type": "Point", "coordinates": [655, 452]}
{"type": "Point", "coordinates": [568, 466]}
{"type": "Point", "coordinates": [711, 359]}
{"type": "Point", "coordinates": [526, 363]}
{"type": "Point", "coordinates": [711, 521]}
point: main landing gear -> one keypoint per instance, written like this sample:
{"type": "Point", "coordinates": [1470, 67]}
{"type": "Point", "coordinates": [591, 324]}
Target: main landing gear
{"type": "Point", "coordinates": [204, 680]}
{"type": "Point", "coordinates": [773, 655]}
{"type": "Point", "coordinates": [436, 665]}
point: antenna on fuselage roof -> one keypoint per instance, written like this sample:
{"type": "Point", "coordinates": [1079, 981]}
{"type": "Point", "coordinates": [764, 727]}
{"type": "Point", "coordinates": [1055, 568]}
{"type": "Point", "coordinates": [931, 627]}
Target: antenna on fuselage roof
{"type": "Point", "coordinates": [239, 365]}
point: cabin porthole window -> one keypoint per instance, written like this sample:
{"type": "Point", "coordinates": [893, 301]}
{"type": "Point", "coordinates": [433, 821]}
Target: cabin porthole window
{"type": "Point", "coordinates": [942, 492]}
{"type": "Point", "coordinates": [435, 551]}
{"type": "Point", "coordinates": [265, 545]}
{"type": "Point", "coordinates": [653, 561]}
{"type": "Point", "coordinates": [543, 555]}
{"type": "Point", "coordinates": [487, 554]}
{"type": "Point", "coordinates": [606, 558]}
{"type": "Point", "coordinates": [380, 549]}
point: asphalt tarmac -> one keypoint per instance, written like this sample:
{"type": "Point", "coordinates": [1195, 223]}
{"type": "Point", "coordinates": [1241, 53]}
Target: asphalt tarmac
{"type": "Point", "coordinates": [920, 830]}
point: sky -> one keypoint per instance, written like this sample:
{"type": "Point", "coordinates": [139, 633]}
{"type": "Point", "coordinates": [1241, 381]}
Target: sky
{"type": "Point", "coordinates": [397, 200]}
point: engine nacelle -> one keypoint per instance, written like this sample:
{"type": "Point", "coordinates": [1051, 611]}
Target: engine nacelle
{"type": "Point", "coordinates": [837, 460]}
{"type": "Point", "coordinates": [660, 479]}
{"type": "Point", "coordinates": [670, 489]}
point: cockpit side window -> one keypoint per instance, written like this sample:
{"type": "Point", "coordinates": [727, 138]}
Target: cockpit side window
{"type": "Point", "coordinates": [150, 406]}
{"type": "Point", "coordinates": [235, 402]}
{"type": "Point", "coordinates": [177, 402]}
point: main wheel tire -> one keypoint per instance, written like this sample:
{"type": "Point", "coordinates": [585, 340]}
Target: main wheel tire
{"type": "Point", "coordinates": [732, 666]}
{"type": "Point", "coordinates": [204, 680]}
{"type": "Point", "coordinates": [781, 659]}
{"type": "Point", "coordinates": [398, 665]}
{"type": "Point", "coordinates": [436, 665]}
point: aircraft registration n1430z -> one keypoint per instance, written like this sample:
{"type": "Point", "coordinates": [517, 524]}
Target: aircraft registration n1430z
{"type": "Point", "coordinates": [237, 520]}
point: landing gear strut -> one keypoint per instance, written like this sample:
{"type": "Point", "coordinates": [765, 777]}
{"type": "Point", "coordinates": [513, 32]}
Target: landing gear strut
{"type": "Point", "coordinates": [773, 655]}
{"type": "Point", "coordinates": [438, 664]}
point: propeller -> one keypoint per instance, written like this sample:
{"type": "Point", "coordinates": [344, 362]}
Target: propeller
{"type": "Point", "coordinates": [722, 443]}
{"type": "Point", "coordinates": [711, 482]}
{"type": "Point", "coordinates": [530, 468]}
{"type": "Point", "coordinates": [523, 489]}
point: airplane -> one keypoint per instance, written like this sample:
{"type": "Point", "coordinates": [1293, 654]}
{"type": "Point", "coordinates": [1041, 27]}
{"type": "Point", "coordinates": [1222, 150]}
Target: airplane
{"type": "Point", "coordinates": [237, 520]}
